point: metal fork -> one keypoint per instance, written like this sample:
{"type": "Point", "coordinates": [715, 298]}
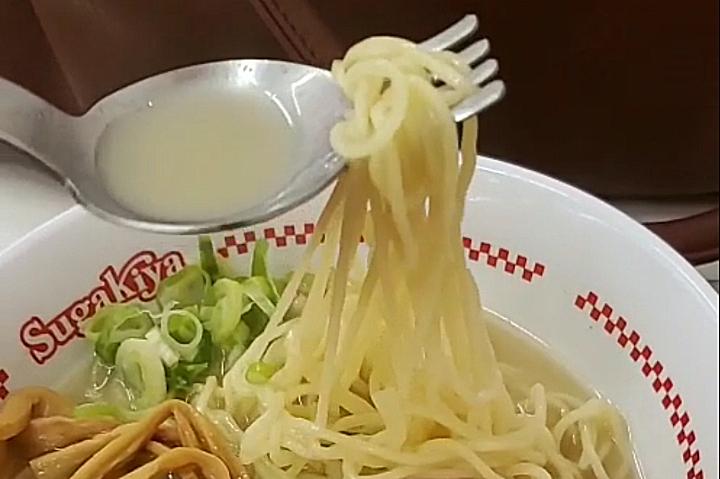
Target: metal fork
{"type": "Point", "coordinates": [490, 92]}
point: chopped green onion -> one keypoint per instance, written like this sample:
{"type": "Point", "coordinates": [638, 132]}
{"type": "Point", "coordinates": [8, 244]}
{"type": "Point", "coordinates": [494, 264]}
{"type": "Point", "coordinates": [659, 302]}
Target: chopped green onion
{"type": "Point", "coordinates": [231, 305]}
{"type": "Point", "coordinates": [208, 259]}
{"type": "Point", "coordinates": [237, 345]}
{"type": "Point", "coordinates": [95, 326]}
{"type": "Point", "coordinates": [234, 354]}
{"type": "Point", "coordinates": [259, 290]}
{"type": "Point", "coordinates": [182, 331]}
{"type": "Point", "coordinates": [259, 267]}
{"type": "Point", "coordinates": [210, 299]}
{"type": "Point", "coordinates": [260, 372]}
{"type": "Point", "coordinates": [98, 410]}
{"type": "Point", "coordinates": [107, 317]}
{"type": "Point", "coordinates": [184, 327]}
{"type": "Point", "coordinates": [114, 324]}
{"type": "Point", "coordinates": [281, 284]}
{"type": "Point", "coordinates": [180, 379]}
{"type": "Point", "coordinates": [256, 320]}
{"type": "Point", "coordinates": [131, 327]}
{"type": "Point", "coordinates": [241, 335]}
{"type": "Point", "coordinates": [167, 354]}
{"type": "Point", "coordinates": [210, 354]}
{"type": "Point", "coordinates": [184, 288]}
{"type": "Point", "coordinates": [205, 315]}
{"type": "Point", "coordinates": [142, 372]}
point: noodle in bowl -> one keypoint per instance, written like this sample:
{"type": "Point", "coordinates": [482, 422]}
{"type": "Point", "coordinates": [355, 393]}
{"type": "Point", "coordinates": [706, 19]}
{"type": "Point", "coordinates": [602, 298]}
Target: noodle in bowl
{"type": "Point", "coordinates": [612, 303]}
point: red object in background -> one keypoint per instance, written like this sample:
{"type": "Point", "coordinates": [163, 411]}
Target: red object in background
{"type": "Point", "coordinates": [701, 246]}
{"type": "Point", "coordinates": [619, 98]}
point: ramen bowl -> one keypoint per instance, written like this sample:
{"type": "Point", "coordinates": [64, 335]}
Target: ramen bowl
{"type": "Point", "coordinates": [612, 302]}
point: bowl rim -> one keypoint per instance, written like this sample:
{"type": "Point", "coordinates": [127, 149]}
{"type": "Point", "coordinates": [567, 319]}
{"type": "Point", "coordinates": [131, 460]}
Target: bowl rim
{"type": "Point", "coordinates": [605, 209]}
{"type": "Point", "coordinates": [489, 165]}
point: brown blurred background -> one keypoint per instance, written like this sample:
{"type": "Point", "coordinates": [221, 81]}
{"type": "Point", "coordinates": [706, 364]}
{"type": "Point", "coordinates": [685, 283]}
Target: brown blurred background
{"type": "Point", "coordinates": [619, 98]}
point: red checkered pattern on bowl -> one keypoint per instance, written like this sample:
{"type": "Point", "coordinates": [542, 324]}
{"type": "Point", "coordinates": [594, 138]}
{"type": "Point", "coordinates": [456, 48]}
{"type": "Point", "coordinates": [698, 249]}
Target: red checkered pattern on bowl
{"type": "Point", "coordinates": [627, 338]}
{"type": "Point", "coordinates": [501, 257]}
{"type": "Point", "coordinates": [239, 244]}
{"type": "Point", "coordinates": [4, 378]}
{"type": "Point", "coordinates": [281, 237]}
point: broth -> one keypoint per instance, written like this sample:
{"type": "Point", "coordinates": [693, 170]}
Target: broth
{"type": "Point", "coordinates": [530, 362]}
{"type": "Point", "coordinates": [197, 155]}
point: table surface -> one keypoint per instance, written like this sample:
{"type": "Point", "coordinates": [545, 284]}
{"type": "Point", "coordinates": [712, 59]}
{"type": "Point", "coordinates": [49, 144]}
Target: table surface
{"type": "Point", "coordinates": [29, 197]}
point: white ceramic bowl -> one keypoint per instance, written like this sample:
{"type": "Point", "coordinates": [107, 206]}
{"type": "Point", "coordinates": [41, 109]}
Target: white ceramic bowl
{"type": "Point", "coordinates": [615, 304]}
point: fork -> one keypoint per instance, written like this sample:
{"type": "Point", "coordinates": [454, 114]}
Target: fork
{"type": "Point", "coordinates": [490, 92]}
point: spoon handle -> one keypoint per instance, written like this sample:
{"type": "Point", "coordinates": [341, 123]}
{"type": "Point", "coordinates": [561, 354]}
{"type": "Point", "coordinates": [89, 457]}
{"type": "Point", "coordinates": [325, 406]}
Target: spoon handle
{"type": "Point", "coordinates": [28, 123]}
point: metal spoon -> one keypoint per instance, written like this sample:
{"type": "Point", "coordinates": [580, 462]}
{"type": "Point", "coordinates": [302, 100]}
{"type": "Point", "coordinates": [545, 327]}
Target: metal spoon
{"type": "Point", "coordinates": [67, 144]}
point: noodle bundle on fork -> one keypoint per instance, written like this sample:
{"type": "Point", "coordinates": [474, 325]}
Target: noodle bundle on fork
{"type": "Point", "coordinates": [390, 372]}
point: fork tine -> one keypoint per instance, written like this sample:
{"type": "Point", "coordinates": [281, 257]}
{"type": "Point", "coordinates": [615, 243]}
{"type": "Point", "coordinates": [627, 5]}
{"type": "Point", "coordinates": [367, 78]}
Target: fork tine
{"type": "Point", "coordinates": [484, 71]}
{"type": "Point", "coordinates": [488, 95]}
{"type": "Point", "coordinates": [476, 51]}
{"type": "Point", "coordinates": [452, 35]}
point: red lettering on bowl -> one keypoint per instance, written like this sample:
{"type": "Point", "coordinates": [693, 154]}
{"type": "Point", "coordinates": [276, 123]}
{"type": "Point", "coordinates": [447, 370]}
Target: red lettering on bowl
{"type": "Point", "coordinates": [137, 279]}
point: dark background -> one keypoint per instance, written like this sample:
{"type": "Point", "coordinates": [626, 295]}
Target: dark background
{"type": "Point", "coordinates": [618, 97]}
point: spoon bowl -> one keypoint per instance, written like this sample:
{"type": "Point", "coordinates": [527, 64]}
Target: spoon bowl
{"type": "Point", "coordinates": [68, 145]}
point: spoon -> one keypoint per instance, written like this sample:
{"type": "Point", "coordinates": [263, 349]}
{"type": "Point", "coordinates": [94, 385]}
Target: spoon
{"type": "Point", "coordinates": [68, 145]}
